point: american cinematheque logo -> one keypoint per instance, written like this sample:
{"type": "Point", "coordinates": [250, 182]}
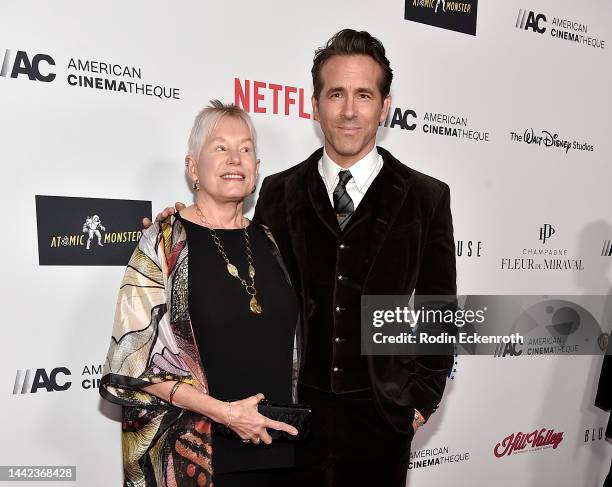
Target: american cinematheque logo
{"type": "Point", "coordinates": [56, 379]}
{"type": "Point", "coordinates": [433, 457]}
{"type": "Point", "coordinates": [35, 67]}
{"type": "Point", "coordinates": [452, 125]}
{"type": "Point", "coordinates": [98, 74]}
{"type": "Point", "coordinates": [456, 16]}
{"type": "Point", "coordinates": [539, 439]}
{"type": "Point", "coordinates": [562, 29]}
{"type": "Point", "coordinates": [88, 231]}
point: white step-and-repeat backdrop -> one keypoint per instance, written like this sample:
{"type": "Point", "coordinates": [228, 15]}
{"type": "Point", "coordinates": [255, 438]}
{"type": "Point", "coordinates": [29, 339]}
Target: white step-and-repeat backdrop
{"type": "Point", "coordinates": [508, 102]}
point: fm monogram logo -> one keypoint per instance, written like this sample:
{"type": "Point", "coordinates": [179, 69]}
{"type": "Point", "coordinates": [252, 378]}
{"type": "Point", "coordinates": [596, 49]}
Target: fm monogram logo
{"type": "Point", "coordinates": [546, 231]}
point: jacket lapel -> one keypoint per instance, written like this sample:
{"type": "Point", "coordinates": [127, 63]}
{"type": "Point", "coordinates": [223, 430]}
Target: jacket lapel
{"type": "Point", "coordinates": [315, 196]}
{"type": "Point", "coordinates": [319, 198]}
{"type": "Point", "coordinates": [381, 204]}
{"type": "Point", "coordinates": [378, 209]}
{"type": "Point", "coordinates": [298, 202]}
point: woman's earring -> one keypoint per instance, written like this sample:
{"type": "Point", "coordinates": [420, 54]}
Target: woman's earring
{"type": "Point", "coordinates": [196, 185]}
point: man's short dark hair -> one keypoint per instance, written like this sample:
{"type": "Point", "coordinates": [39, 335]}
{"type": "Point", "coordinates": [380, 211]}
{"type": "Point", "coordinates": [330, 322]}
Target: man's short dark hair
{"type": "Point", "coordinates": [349, 42]}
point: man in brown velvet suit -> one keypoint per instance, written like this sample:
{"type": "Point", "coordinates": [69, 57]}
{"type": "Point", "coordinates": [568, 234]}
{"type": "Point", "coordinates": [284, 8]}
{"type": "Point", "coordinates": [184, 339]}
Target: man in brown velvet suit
{"type": "Point", "coordinates": [352, 220]}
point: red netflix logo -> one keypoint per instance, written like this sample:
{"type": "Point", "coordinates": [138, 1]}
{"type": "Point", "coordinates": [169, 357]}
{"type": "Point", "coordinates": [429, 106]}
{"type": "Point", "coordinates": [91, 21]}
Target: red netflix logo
{"type": "Point", "coordinates": [262, 97]}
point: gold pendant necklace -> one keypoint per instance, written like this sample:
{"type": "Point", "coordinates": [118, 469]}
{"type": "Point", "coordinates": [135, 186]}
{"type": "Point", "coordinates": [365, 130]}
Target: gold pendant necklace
{"type": "Point", "coordinates": [254, 306]}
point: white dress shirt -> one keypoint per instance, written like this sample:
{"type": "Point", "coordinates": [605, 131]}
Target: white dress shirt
{"type": "Point", "coordinates": [363, 171]}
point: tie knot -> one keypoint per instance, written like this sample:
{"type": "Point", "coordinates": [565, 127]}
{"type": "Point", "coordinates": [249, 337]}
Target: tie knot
{"type": "Point", "coordinates": [345, 177]}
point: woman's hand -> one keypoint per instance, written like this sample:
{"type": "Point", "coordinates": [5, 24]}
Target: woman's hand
{"type": "Point", "coordinates": [250, 425]}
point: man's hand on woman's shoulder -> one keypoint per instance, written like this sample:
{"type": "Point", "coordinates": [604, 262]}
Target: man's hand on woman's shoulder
{"type": "Point", "coordinates": [178, 206]}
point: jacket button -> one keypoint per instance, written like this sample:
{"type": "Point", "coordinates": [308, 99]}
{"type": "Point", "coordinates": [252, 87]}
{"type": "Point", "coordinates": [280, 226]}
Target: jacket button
{"type": "Point", "coordinates": [337, 369]}
{"type": "Point", "coordinates": [341, 277]}
{"type": "Point", "coordinates": [337, 339]}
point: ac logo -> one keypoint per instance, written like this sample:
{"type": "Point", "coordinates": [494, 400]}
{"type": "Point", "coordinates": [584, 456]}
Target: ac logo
{"type": "Point", "coordinates": [401, 118]}
{"type": "Point", "coordinates": [20, 64]}
{"type": "Point", "coordinates": [527, 20]}
{"type": "Point", "coordinates": [503, 349]}
{"type": "Point", "coordinates": [31, 380]}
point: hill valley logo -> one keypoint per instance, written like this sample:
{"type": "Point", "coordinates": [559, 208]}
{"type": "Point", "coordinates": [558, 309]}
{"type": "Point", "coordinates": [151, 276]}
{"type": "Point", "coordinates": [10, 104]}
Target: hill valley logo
{"type": "Point", "coordinates": [539, 439]}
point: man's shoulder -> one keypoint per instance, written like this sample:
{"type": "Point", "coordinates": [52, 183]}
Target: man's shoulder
{"type": "Point", "coordinates": [417, 179]}
{"type": "Point", "coordinates": [282, 176]}
{"type": "Point", "coordinates": [299, 170]}
{"type": "Point", "coordinates": [428, 182]}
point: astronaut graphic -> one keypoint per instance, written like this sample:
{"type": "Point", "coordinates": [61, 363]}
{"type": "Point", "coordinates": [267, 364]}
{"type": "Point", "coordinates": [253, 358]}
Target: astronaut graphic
{"type": "Point", "coordinates": [438, 2]}
{"type": "Point", "coordinates": [93, 225]}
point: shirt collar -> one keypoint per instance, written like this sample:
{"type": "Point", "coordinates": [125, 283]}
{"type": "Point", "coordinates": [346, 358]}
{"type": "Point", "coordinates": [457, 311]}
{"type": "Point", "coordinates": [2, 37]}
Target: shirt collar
{"type": "Point", "coordinates": [361, 170]}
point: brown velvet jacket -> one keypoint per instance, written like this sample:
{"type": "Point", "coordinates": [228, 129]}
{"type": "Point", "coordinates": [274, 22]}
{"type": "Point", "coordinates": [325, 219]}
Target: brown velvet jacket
{"type": "Point", "coordinates": [406, 224]}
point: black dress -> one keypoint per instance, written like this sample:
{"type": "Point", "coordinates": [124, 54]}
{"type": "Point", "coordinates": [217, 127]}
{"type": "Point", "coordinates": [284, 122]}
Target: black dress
{"type": "Point", "coordinates": [242, 353]}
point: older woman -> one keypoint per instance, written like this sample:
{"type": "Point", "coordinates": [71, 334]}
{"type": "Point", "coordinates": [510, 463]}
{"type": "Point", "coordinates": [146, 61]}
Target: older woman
{"type": "Point", "coordinates": [205, 315]}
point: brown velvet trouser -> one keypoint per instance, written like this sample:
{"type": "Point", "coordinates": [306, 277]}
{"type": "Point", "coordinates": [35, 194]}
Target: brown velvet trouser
{"type": "Point", "coordinates": [350, 444]}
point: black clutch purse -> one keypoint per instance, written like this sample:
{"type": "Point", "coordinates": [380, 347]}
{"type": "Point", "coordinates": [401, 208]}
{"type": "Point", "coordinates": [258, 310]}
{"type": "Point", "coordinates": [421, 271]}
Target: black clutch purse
{"type": "Point", "coordinates": [297, 415]}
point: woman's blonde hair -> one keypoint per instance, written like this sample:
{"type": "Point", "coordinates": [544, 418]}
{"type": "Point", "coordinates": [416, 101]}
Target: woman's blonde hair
{"type": "Point", "coordinates": [206, 121]}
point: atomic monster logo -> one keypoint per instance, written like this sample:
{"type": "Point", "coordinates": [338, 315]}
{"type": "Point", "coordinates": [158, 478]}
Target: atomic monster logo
{"type": "Point", "coordinates": [92, 227]}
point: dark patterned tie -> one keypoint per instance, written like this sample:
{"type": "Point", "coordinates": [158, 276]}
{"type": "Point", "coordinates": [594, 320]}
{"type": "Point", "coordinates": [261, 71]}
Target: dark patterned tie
{"type": "Point", "coordinates": [343, 204]}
